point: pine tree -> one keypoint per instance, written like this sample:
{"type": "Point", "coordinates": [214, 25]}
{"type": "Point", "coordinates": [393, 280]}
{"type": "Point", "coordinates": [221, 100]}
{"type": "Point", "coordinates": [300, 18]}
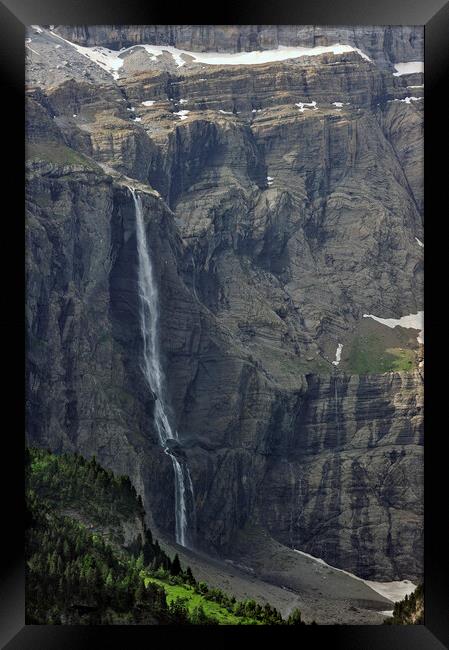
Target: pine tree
{"type": "Point", "coordinates": [175, 569]}
{"type": "Point", "coordinates": [140, 592]}
{"type": "Point", "coordinates": [189, 576]}
{"type": "Point", "coordinates": [295, 618]}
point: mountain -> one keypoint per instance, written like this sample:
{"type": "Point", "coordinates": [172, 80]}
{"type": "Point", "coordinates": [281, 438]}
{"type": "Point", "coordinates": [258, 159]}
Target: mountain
{"type": "Point", "coordinates": [282, 209]}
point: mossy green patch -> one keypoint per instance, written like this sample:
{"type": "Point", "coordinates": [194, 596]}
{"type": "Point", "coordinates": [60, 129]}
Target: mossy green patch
{"type": "Point", "coordinates": [368, 354]}
{"type": "Point", "coordinates": [194, 600]}
{"type": "Point", "coordinates": [59, 153]}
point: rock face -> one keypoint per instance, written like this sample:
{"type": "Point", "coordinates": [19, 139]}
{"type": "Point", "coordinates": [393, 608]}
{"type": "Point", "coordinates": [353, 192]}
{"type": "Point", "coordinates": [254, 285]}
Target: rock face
{"type": "Point", "coordinates": [281, 207]}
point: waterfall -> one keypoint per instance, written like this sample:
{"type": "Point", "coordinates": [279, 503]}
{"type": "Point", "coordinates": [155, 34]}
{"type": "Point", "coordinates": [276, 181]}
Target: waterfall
{"type": "Point", "coordinates": [154, 375]}
{"type": "Point", "coordinates": [337, 420]}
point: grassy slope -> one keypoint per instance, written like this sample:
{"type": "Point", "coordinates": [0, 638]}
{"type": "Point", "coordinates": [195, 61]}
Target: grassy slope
{"type": "Point", "coordinates": [369, 355]}
{"type": "Point", "coordinates": [58, 153]}
{"type": "Point", "coordinates": [375, 348]}
{"type": "Point", "coordinates": [223, 615]}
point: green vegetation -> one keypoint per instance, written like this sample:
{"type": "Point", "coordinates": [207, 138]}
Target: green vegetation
{"type": "Point", "coordinates": [410, 610]}
{"type": "Point", "coordinates": [55, 152]}
{"type": "Point", "coordinates": [69, 481]}
{"type": "Point", "coordinates": [215, 604]}
{"type": "Point", "coordinates": [369, 355]}
{"type": "Point", "coordinates": [76, 575]}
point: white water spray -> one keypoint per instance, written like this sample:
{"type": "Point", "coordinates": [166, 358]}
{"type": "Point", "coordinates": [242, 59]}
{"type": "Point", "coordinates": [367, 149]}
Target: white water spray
{"type": "Point", "coordinates": [154, 375]}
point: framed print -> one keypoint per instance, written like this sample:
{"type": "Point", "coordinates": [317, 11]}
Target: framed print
{"type": "Point", "coordinates": [223, 281]}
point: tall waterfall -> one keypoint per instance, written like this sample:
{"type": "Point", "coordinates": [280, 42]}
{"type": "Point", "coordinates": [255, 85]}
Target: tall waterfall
{"type": "Point", "coordinates": [154, 375]}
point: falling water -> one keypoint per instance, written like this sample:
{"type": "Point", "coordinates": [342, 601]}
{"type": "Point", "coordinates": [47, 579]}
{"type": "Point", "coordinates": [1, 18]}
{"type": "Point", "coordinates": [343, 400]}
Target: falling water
{"type": "Point", "coordinates": [154, 375]}
{"type": "Point", "coordinates": [337, 419]}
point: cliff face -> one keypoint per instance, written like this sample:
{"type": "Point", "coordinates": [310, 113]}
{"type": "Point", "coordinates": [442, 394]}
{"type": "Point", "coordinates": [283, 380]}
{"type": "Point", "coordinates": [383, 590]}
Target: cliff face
{"type": "Point", "coordinates": [273, 227]}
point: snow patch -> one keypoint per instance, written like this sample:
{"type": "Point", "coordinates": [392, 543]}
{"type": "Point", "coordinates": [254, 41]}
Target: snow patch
{"type": "Point", "coordinates": [183, 101]}
{"type": "Point", "coordinates": [148, 102]}
{"type": "Point", "coordinates": [108, 60]}
{"type": "Point", "coordinates": [411, 67]}
{"type": "Point", "coordinates": [137, 119]}
{"type": "Point", "coordinates": [419, 242]}
{"type": "Point", "coordinates": [408, 100]}
{"type": "Point", "coordinates": [394, 591]}
{"type": "Point", "coordinates": [37, 29]}
{"type": "Point", "coordinates": [412, 321]}
{"type": "Point", "coordinates": [225, 112]}
{"type": "Point", "coordinates": [303, 106]}
{"type": "Point", "coordinates": [157, 50]}
{"type": "Point", "coordinates": [338, 104]}
{"type": "Point", "coordinates": [338, 354]}
{"type": "Point", "coordinates": [255, 57]}
{"type": "Point", "coordinates": [30, 48]}
{"type": "Point", "coordinates": [182, 114]}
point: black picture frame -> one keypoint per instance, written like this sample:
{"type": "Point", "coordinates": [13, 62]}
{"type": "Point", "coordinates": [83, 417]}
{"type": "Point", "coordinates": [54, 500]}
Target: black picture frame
{"type": "Point", "coordinates": [434, 15]}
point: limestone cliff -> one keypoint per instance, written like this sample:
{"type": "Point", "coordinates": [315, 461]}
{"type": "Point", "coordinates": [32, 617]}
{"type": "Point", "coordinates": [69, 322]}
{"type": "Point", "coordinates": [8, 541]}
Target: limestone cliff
{"type": "Point", "coordinates": [282, 202]}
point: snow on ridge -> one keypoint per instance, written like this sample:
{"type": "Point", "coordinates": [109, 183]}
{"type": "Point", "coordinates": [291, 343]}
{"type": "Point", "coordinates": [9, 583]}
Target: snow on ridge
{"type": "Point", "coordinates": [412, 321]}
{"type": "Point", "coordinates": [108, 60]}
{"type": "Point", "coordinates": [338, 354]}
{"type": "Point", "coordinates": [394, 590]}
{"type": "Point", "coordinates": [282, 53]}
{"type": "Point", "coordinates": [111, 61]}
{"type": "Point", "coordinates": [408, 100]}
{"type": "Point", "coordinates": [255, 57]}
{"type": "Point", "coordinates": [411, 67]}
